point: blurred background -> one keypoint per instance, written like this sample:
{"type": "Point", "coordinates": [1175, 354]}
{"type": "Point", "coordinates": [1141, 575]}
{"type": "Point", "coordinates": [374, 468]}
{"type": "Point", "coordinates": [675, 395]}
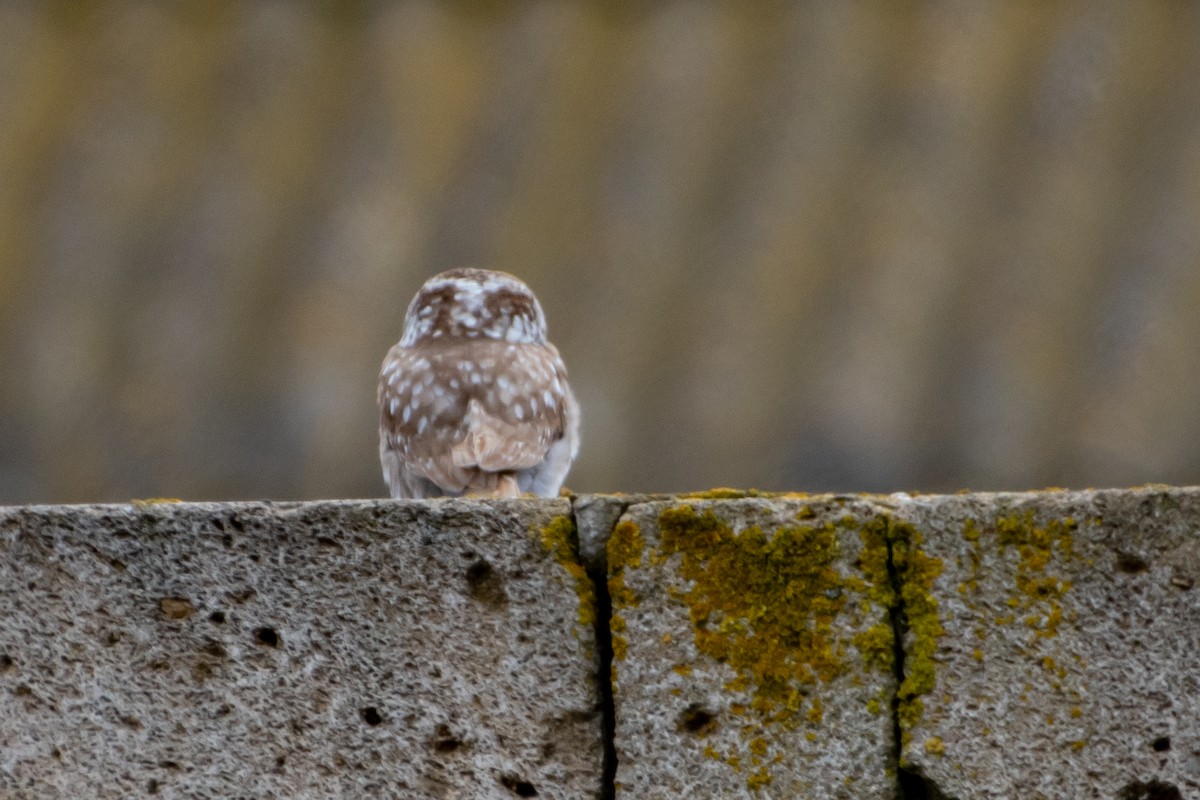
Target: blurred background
{"type": "Point", "coordinates": [813, 246]}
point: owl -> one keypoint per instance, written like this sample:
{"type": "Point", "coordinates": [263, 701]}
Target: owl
{"type": "Point", "coordinates": [474, 400]}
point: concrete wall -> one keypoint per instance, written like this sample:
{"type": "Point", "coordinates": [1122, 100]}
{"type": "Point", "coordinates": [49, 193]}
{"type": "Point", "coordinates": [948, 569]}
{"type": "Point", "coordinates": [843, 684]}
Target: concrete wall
{"type": "Point", "coordinates": [967, 646]}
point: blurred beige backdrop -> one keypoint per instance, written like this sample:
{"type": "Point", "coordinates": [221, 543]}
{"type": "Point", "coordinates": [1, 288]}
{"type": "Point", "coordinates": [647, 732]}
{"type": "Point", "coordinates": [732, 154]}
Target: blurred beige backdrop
{"type": "Point", "coordinates": [819, 245]}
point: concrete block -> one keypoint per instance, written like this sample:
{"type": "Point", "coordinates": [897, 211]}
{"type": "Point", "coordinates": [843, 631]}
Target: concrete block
{"type": "Point", "coordinates": [596, 515]}
{"type": "Point", "coordinates": [1068, 664]}
{"type": "Point", "coordinates": [316, 650]}
{"type": "Point", "coordinates": [752, 650]}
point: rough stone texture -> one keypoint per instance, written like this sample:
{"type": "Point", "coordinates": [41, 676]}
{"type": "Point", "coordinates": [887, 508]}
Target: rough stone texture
{"type": "Point", "coordinates": [687, 724]}
{"type": "Point", "coordinates": [595, 516]}
{"type": "Point", "coordinates": [1069, 666]}
{"type": "Point", "coordinates": [347, 649]}
{"type": "Point", "coordinates": [438, 649]}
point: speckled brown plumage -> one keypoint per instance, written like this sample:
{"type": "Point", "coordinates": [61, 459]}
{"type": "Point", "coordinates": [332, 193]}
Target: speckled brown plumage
{"type": "Point", "coordinates": [474, 399]}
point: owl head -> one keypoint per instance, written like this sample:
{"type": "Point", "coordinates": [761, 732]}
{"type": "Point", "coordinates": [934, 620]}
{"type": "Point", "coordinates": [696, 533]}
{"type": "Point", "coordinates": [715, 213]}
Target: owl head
{"type": "Point", "coordinates": [474, 304]}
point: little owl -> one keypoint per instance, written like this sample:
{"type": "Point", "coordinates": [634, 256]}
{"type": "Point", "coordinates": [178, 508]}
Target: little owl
{"type": "Point", "coordinates": [474, 400]}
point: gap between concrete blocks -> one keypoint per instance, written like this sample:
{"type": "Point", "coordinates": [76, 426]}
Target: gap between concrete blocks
{"type": "Point", "coordinates": [600, 516]}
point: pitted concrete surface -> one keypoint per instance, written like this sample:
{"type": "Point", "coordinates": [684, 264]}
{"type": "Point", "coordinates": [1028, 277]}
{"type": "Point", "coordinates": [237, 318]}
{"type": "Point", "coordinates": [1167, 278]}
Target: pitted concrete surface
{"type": "Point", "coordinates": [738, 672]}
{"type": "Point", "coordinates": [441, 649]}
{"type": "Point", "coordinates": [316, 650]}
{"type": "Point", "coordinates": [1069, 666]}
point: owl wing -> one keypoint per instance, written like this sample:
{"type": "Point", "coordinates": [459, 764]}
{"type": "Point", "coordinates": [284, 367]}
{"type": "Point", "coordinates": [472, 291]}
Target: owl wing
{"type": "Point", "coordinates": [451, 412]}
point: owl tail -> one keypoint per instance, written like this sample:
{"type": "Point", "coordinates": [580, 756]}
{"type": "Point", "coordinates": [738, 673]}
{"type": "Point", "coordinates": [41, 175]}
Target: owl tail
{"type": "Point", "coordinates": [491, 445]}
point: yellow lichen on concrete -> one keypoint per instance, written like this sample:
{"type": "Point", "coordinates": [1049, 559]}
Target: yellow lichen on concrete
{"type": "Point", "coordinates": [915, 573]}
{"type": "Point", "coordinates": [1039, 586]}
{"type": "Point", "coordinates": [558, 538]}
{"type": "Point", "coordinates": [623, 550]}
{"type": "Point", "coordinates": [1038, 558]}
{"type": "Point", "coordinates": [763, 604]}
{"type": "Point", "coordinates": [725, 493]}
{"type": "Point", "coordinates": [1039, 591]}
{"type": "Point", "coordinates": [777, 609]}
{"type": "Point", "coordinates": [877, 644]}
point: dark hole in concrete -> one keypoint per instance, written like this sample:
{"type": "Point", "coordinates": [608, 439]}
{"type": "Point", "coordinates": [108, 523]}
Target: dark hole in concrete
{"type": "Point", "coordinates": [6, 662]}
{"type": "Point", "coordinates": [267, 636]}
{"type": "Point", "coordinates": [1161, 744]}
{"type": "Point", "coordinates": [485, 584]}
{"type": "Point", "coordinates": [371, 715]}
{"type": "Point", "coordinates": [1150, 790]}
{"type": "Point", "coordinates": [517, 786]}
{"type": "Point", "coordinates": [152, 787]}
{"type": "Point", "coordinates": [444, 741]}
{"type": "Point", "coordinates": [1127, 562]}
{"type": "Point", "coordinates": [915, 786]}
{"type": "Point", "coordinates": [695, 719]}
{"type": "Point", "coordinates": [217, 617]}
{"type": "Point", "coordinates": [478, 572]}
